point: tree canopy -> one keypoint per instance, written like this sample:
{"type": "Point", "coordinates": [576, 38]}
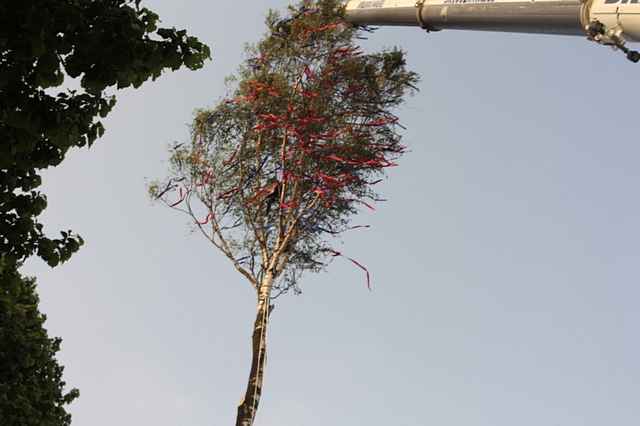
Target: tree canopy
{"type": "Point", "coordinates": [101, 46]}
{"type": "Point", "coordinates": [106, 45]}
{"type": "Point", "coordinates": [32, 392]}
{"type": "Point", "coordinates": [277, 170]}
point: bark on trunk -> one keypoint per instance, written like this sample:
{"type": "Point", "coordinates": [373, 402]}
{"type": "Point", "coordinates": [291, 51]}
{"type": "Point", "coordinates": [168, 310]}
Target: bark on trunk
{"type": "Point", "coordinates": [249, 405]}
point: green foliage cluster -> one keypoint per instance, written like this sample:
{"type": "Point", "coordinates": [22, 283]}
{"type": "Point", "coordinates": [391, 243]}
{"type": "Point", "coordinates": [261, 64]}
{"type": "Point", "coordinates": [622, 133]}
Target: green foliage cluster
{"type": "Point", "coordinates": [32, 392]}
{"type": "Point", "coordinates": [106, 44]}
{"type": "Point", "coordinates": [282, 165]}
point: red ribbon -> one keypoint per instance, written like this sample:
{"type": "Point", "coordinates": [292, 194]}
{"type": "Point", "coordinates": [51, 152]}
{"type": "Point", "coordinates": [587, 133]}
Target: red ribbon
{"type": "Point", "coordinates": [355, 262]}
{"type": "Point", "coordinates": [206, 220]}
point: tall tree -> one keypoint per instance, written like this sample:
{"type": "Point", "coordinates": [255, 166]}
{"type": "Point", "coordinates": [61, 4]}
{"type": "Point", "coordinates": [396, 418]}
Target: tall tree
{"type": "Point", "coordinates": [273, 174]}
{"type": "Point", "coordinates": [106, 44]}
{"type": "Point", "coordinates": [32, 392]}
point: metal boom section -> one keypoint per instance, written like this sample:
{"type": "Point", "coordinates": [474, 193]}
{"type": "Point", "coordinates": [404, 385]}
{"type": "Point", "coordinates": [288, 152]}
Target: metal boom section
{"type": "Point", "coordinates": [608, 22]}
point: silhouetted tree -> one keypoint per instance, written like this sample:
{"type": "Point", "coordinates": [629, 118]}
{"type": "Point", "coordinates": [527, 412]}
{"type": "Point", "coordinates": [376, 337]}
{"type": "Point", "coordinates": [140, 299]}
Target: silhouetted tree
{"type": "Point", "coordinates": [32, 392]}
{"type": "Point", "coordinates": [106, 44]}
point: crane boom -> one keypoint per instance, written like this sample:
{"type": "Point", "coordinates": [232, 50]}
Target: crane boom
{"type": "Point", "coordinates": [608, 22]}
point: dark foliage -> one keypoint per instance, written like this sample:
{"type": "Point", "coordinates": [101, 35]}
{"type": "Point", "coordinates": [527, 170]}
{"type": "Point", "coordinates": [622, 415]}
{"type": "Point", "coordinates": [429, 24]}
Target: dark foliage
{"type": "Point", "coordinates": [32, 392]}
{"type": "Point", "coordinates": [106, 44]}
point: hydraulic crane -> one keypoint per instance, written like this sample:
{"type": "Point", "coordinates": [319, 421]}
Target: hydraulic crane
{"type": "Point", "coordinates": [608, 22]}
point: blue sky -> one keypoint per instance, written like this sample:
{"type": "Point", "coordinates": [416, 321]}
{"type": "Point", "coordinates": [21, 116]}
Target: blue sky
{"type": "Point", "coordinates": [503, 265]}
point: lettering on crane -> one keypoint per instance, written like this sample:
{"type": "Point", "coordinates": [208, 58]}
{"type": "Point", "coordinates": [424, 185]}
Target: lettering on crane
{"type": "Point", "coordinates": [371, 4]}
{"type": "Point", "coordinates": [467, 1]}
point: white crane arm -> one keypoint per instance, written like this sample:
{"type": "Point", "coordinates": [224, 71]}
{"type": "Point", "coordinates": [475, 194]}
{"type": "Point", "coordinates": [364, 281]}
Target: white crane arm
{"type": "Point", "coordinates": [608, 22]}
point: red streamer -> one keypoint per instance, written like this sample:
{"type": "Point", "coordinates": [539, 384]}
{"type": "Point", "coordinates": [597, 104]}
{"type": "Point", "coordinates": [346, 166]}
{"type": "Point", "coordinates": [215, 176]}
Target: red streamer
{"type": "Point", "coordinates": [355, 262]}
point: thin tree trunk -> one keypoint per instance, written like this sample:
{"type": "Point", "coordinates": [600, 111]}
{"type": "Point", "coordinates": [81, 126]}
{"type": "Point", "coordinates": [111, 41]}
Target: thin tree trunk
{"type": "Point", "coordinates": [249, 405]}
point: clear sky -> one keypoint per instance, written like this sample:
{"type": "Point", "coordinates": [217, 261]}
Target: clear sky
{"type": "Point", "coordinates": [503, 265]}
